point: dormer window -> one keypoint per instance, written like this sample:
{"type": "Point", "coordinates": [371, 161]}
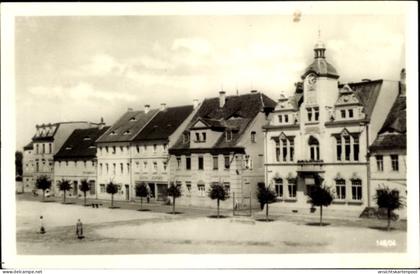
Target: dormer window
{"type": "Point", "coordinates": [350, 113]}
{"type": "Point", "coordinates": [186, 137]}
{"type": "Point", "coordinates": [197, 137]}
{"type": "Point", "coordinates": [132, 119]}
{"type": "Point", "coordinates": [113, 133]}
{"type": "Point", "coordinates": [204, 136]}
{"type": "Point", "coordinates": [343, 113]}
{"type": "Point", "coordinates": [87, 138]}
{"type": "Point", "coordinates": [228, 136]}
{"type": "Point", "coordinates": [127, 132]}
{"type": "Point", "coordinates": [68, 148]}
{"type": "Point", "coordinates": [253, 136]}
{"type": "Point", "coordinates": [92, 147]}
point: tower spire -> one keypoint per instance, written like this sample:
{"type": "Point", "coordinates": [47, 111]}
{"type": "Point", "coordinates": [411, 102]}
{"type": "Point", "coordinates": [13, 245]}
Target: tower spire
{"type": "Point", "coordinates": [319, 46]}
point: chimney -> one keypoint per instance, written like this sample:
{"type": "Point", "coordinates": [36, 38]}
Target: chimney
{"type": "Point", "coordinates": [102, 123]}
{"type": "Point", "coordinates": [129, 109]}
{"type": "Point", "coordinates": [163, 107]}
{"type": "Point", "coordinates": [254, 91]}
{"type": "Point", "coordinates": [195, 103]}
{"type": "Point", "coordinates": [146, 108]}
{"type": "Point", "coordinates": [402, 82]}
{"type": "Point", "coordinates": [222, 98]}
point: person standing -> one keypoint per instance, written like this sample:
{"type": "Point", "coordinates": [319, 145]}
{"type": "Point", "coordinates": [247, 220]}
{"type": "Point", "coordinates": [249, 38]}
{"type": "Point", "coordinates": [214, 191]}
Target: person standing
{"type": "Point", "coordinates": [41, 221]}
{"type": "Point", "coordinates": [79, 229]}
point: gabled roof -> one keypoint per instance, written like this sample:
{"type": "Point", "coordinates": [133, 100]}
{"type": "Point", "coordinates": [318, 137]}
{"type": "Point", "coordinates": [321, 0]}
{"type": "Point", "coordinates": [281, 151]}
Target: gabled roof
{"type": "Point", "coordinates": [164, 123]}
{"type": "Point", "coordinates": [29, 146]}
{"type": "Point", "coordinates": [80, 144]}
{"type": "Point", "coordinates": [236, 114]}
{"type": "Point", "coordinates": [393, 132]}
{"type": "Point", "coordinates": [367, 93]}
{"type": "Point", "coordinates": [128, 126]}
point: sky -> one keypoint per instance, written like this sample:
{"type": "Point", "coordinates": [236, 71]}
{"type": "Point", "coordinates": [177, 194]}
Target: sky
{"type": "Point", "coordinates": [71, 68]}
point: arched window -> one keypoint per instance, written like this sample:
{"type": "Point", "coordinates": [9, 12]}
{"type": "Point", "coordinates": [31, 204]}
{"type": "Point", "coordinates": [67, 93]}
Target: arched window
{"type": "Point", "coordinates": [278, 184]}
{"type": "Point", "coordinates": [313, 148]}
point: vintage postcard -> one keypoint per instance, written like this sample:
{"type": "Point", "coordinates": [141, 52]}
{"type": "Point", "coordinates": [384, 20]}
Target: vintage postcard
{"type": "Point", "coordinates": [210, 135]}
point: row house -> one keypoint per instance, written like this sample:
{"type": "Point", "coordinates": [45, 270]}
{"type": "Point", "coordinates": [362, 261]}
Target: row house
{"type": "Point", "coordinates": [76, 161]}
{"type": "Point", "coordinates": [388, 153]}
{"type": "Point", "coordinates": [320, 135]}
{"type": "Point", "coordinates": [28, 167]}
{"type": "Point", "coordinates": [114, 155]}
{"type": "Point", "coordinates": [46, 142]}
{"type": "Point", "coordinates": [149, 149]}
{"type": "Point", "coordinates": [222, 143]}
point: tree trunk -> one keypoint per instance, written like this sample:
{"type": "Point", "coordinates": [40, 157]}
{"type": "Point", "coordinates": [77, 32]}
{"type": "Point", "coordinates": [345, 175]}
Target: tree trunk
{"type": "Point", "coordinates": [43, 195]}
{"type": "Point", "coordinates": [266, 212]}
{"type": "Point", "coordinates": [320, 215]}
{"type": "Point", "coordinates": [389, 219]}
{"type": "Point", "coordinates": [64, 197]}
{"type": "Point", "coordinates": [84, 193]}
{"type": "Point", "coordinates": [112, 200]}
{"type": "Point", "coordinates": [141, 202]}
{"type": "Point", "coordinates": [218, 210]}
{"type": "Point", "coordinates": [173, 204]}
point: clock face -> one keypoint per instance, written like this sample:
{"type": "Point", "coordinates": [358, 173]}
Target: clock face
{"type": "Point", "coordinates": [311, 79]}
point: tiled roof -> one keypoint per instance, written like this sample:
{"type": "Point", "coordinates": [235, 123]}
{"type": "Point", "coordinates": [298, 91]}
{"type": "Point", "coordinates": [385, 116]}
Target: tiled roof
{"type": "Point", "coordinates": [367, 92]}
{"type": "Point", "coordinates": [322, 68]}
{"type": "Point", "coordinates": [80, 144]}
{"type": "Point", "coordinates": [128, 126]}
{"type": "Point", "coordinates": [236, 114]}
{"type": "Point", "coordinates": [29, 146]}
{"type": "Point", "coordinates": [393, 132]}
{"type": "Point", "coordinates": [164, 123]}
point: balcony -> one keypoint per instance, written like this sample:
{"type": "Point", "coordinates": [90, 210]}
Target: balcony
{"type": "Point", "coordinates": [310, 165]}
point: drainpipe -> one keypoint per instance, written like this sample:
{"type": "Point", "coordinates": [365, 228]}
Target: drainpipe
{"type": "Point", "coordinates": [366, 124]}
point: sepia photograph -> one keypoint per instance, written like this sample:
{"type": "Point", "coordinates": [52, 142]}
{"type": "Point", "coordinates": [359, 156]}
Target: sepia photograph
{"type": "Point", "coordinates": [203, 129]}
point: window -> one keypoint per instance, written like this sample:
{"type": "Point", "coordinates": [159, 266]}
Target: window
{"type": "Point", "coordinates": [102, 188]}
{"type": "Point", "coordinates": [204, 136]}
{"type": "Point", "coordinates": [145, 166]}
{"type": "Point", "coordinates": [92, 187]}
{"type": "Point", "coordinates": [313, 148]}
{"type": "Point", "coordinates": [284, 149]}
{"type": "Point", "coordinates": [155, 167]}
{"type": "Point", "coordinates": [343, 113]}
{"type": "Point", "coordinates": [197, 137]}
{"type": "Point", "coordinates": [188, 187]}
{"type": "Point", "coordinates": [356, 189]}
{"type": "Point", "coordinates": [106, 149]}
{"type": "Point", "coordinates": [138, 149]}
{"type": "Point", "coordinates": [178, 161]}
{"type": "Point", "coordinates": [121, 168]}
{"type": "Point", "coordinates": [248, 162]}
{"type": "Point", "coordinates": [253, 137]}
{"type": "Point", "coordinates": [309, 112]}
{"type": "Point", "coordinates": [201, 190]}
{"type": "Point", "coordinates": [128, 168]}
{"type": "Point", "coordinates": [350, 113]}
{"type": "Point", "coordinates": [280, 119]}
{"type": "Point", "coordinates": [107, 168]}
{"type": "Point", "coordinates": [132, 119]}
{"type": "Point", "coordinates": [165, 146]}
{"type": "Point", "coordinates": [339, 144]}
{"type": "Point", "coordinates": [200, 162]}
{"type": "Point", "coordinates": [356, 148]}
{"type": "Point", "coordinates": [37, 149]}
{"type": "Point", "coordinates": [186, 137]}
{"type": "Point", "coordinates": [43, 148]}
{"type": "Point", "coordinates": [347, 147]}
{"type": "Point", "coordinates": [113, 150]}
{"type": "Point", "coordinates": [340, 189]}
{"type": "Point", "coordinates": [37, 166]}
{"type": "Point", "coordinates": [67, 163]}
{"type": "Point", "coordinates": [137, 165]}
{"type": "Point", "coordinates": [50, 148]}
{"type": "Point", "coordinates": [165, 165]}
{"type": "Point", "coordinates": [154, 147]}
{"type": "Point", "coordinates": [379, 162]}
{"type": "Point", "coordinates": [278, 185]}
{"type": "Point", "coordinates": [226, 185]}
{"type": "Point", "coordinates": [292, 148]}
{"type": "Point", "coordinates": [278, 150]}
{"type": "Point", "coordinates": [316, 114]}
{"type": "Point", "coordinates": [291, 186]}
{"type": "Point", "coordinates": [84, 164]}
{"type": "Point", "coordinates": [286, 118]}
{"type": "Point", "coordinates": [100, 169]}
{"type": "Point", "coordinates": [114, 168]}
{"type": "Point", "coordinates": [228, 136]}
{"type": "Point", "coordinates": [188, 163]}
{"type": "Point", "coordinates": [144, 148]}
{"type": "Point", "coordinates": [394, 162]}
{"type": "Point", "coordinates": [227, 162]}
{"type": "Point", "coordinates": [126, 132]}
{"type": "Point", "coordinates": [215, 162]}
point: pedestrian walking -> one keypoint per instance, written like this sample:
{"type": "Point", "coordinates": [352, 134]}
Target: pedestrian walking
{"type": "Point", "coordinates": [79, 229]}
{"type": "Point", "coordinates": [41, 221]}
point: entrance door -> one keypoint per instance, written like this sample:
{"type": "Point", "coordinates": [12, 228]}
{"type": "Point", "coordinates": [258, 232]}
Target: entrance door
{"type": "Point", "coordinates": [127, 192]}
{"type": "Point", "coordinates": [74, 188]}
{"type": "Point", "coordinates": [152, 190]}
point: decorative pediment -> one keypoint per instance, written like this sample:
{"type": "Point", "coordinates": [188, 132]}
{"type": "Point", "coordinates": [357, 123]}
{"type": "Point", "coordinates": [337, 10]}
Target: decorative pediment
{"type": "Point", "coordinates": [345, 132]}
{"type": "Point", "coordinates": [338, 177]}
{"type": "Point", "coordinates": [347, 99]}
{"type": "Point", "coordinates": [355, 177]}
{"type": "Point", "coordinates": [199, 124]}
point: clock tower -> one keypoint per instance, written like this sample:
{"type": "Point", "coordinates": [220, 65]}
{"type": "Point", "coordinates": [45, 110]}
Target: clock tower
{"type": "Point", "coordinates": [320, 86]}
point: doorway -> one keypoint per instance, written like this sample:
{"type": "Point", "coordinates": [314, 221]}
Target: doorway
{"type": "Point", "coordinates": [74, 188]}
{"type": "Point", "coordinates": [127, 192]}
